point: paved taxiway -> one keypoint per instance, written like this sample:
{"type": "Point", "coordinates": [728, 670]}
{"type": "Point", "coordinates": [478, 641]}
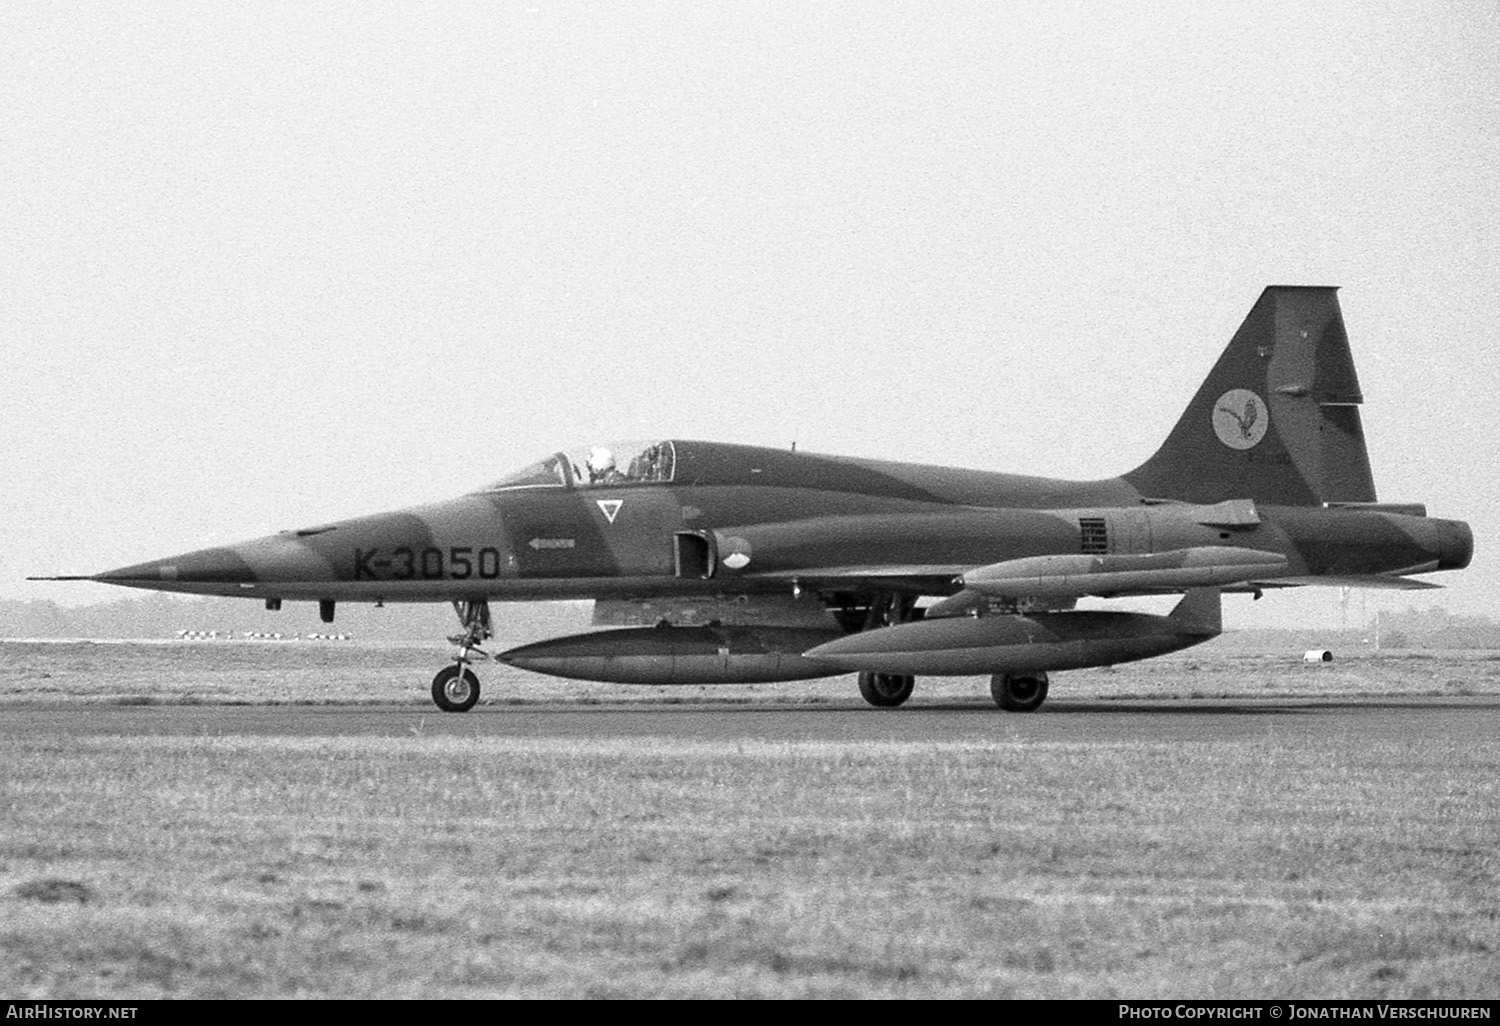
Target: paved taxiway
{"type": "Point", "coordinates": [1061, 721]}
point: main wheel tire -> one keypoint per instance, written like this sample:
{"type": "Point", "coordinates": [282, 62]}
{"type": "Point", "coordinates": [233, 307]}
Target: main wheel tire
{"type": "Point", "coordinates": [1019, 694]}
{"type": "Point", "coordinates": [455, 692]}
{"type": "Point", "coordinates": [886, 690]}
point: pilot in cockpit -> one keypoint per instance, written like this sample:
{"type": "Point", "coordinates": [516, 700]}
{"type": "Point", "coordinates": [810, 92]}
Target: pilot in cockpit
{"type": "Point", "coordinates": [602, 470]}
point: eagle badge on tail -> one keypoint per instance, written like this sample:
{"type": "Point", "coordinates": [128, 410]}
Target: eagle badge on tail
{"type": "Point", "coordinates": [1240, 418]}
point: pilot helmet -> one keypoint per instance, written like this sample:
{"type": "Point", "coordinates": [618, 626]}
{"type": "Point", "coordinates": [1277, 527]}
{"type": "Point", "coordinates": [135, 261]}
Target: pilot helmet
{"type": "Point", "coordinates": [601, 460]}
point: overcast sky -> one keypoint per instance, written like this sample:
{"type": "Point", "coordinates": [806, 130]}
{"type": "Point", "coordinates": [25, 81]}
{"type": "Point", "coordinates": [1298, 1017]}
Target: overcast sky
{"type": "Point", "coordinates": [264, 265]}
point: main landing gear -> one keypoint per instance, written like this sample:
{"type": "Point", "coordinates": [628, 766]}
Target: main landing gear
{"type": "Point", "coordinates": [888, 690]}
{"type": "Point", "coordinates": [1019, 694]}
{"type": "Point", "coordinates": [456, 687]}
{"type": "Point", "coordinates": [1013, 694]}
{"type": "Point", "coordinates": [1023, 692]}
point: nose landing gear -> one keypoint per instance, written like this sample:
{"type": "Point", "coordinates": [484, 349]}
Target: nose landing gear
{"type": "Point", "coordinates": [456, 687]}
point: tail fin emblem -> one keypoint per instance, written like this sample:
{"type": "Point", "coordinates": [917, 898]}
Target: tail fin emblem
{"type": "Point", "coordinates": [1240, 419]}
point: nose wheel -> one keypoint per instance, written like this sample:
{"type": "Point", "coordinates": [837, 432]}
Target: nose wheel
{"type": "Point", "coordinates": [456, 687]}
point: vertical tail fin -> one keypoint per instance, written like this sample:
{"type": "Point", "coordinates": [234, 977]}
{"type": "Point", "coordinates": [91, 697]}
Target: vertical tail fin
{"type": "Point", "coordinates": [1278, 417]}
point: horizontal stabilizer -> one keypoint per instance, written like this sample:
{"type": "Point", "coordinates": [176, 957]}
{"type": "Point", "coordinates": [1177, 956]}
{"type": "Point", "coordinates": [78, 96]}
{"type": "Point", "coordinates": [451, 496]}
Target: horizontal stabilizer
{"type": "Point", "coordinates": [1405, 509]}
{"type": "Point", "coordinates": [1377, 581]}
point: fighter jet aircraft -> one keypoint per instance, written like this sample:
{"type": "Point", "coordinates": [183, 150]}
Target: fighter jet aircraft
{"type": "Point", "coordinates": [714, 563]}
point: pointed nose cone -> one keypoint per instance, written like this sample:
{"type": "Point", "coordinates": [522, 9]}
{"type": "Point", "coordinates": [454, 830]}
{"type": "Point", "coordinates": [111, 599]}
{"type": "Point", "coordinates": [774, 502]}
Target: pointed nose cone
{"type": "Point", "coordinates": [245, 568]}
{"type": "Point", "coordinates": [206, 566]}
{"type": "Point", "coordinates": [426, 553]}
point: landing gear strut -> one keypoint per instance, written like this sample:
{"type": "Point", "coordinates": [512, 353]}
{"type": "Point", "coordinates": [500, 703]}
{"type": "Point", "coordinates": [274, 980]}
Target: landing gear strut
{"type": "Point", "coordinates": [1019, 694]}
{"type": "Point", "coordinates": [456, 688]}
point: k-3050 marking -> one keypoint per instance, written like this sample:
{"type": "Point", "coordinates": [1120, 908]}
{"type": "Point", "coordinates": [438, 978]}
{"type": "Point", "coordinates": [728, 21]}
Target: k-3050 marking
{"type": "Point", "coordinates": [458, 562]}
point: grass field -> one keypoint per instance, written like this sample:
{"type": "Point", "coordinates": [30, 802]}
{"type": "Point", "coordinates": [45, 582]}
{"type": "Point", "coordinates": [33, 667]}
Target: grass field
{"type": "Point", "coordinates": [1095, 858]}
{"type": "Point", "coordinates": [333, 673]}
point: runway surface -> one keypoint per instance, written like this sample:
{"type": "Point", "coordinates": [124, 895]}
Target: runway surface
{"type": "Point", "coordinates": [1076, 722]}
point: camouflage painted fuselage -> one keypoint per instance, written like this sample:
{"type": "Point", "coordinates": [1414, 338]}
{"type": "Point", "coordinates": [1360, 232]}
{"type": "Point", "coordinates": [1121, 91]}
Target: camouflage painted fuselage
{"type": "Point", "coordinates": [753, 520]}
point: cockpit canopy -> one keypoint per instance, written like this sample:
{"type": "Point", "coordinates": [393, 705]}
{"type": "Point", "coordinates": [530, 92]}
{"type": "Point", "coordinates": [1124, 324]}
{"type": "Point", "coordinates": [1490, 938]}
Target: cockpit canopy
{"type": "Point", "coordinates": [610, 465]}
